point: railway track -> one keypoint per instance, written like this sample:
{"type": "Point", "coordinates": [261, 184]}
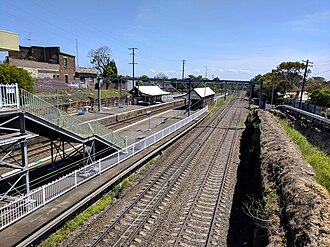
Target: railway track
{"type": "Point", "coordinates": [42, 149]}
{"type": "Point", "coordinates": [129, 121]}
{"type": "Point", "coordinates": [145, 208]}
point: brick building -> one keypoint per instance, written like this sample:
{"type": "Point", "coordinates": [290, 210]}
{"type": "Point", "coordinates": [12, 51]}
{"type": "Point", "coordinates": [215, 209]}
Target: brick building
{"type": "Point", "coordinates": [45, 62]}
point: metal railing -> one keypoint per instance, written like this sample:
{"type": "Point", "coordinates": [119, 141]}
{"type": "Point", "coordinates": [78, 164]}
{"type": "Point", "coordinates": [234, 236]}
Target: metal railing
{"type": "Point", "coordinates": [306, 113]}
{"type": "Point", "coordinates": [318, 110]}
{"type": "Point", "coordinates": [44, 110]}
{"type": "Point", "coordinates": [9, 97]}
{"type": "Point", "coordinates": [37, 198]}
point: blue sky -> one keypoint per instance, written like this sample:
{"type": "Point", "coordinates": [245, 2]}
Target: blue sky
{"type": "Point", "coordinates": [234, 39]}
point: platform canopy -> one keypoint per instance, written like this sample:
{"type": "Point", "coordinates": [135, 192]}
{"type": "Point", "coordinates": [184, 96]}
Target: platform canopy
{"type": "Point", "coordinates": [151, 90]}
{"type": "Point", "coordinates": [204, 91]}
{"type": "Point", "coordinates": [8, 41]}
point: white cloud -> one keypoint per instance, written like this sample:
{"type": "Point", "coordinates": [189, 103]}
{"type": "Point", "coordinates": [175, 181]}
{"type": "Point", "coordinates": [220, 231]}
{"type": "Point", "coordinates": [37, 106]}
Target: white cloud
{"type": "Point", "coordinates": [311, 22]}
{"type": "Point", "coordinates": [152, 70]}
{"type": "Point", "coordinates": [171, 72]}
{"type": "Point", "coordinates": [245, 71]}
{"type": "Point", "coordinates": [232, 70]}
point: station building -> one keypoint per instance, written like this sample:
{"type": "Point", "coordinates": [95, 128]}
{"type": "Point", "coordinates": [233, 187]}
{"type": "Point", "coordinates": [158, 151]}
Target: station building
{"type": "Point", "coordinates": [145, 94]}
{"type": "Point", "coordinates": [197, 97]}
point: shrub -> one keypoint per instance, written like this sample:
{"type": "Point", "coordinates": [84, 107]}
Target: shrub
{"type": "Point", "coordinates": [320, 97]}
{"type": "Point", "coordinates": [10, 74]}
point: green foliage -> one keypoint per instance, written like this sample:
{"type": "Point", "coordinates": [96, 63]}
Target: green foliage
{"type": "Point", "coordinates": [320, 97]}
{"type": "Point", "coordinates": [316, 82]}
{"type": "Point", "coordinates": [287, 76]}
{"type": "Point", "coordinates": [319, 160]}
{"type": "Point", "coordinates": [102, 61]}
{"type": "Point", "coordinates": [73, 224]}
{"type": "Point", "coordinates": [10, 74]}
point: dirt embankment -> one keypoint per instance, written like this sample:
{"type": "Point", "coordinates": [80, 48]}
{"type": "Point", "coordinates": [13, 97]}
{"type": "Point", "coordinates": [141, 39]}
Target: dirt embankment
{"type": "Point", "coordinates": [298, 207]}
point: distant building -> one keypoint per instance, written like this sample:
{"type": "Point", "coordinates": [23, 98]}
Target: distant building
{"type": "Point", "coordinates": [86, 76]}
{"type": "Point", "coordinates": [45, 62]}
{"type": "Point", "coordinates": [51, 68]}
{"type": "Point", "coordinates": [198, 95]}
{"type": "Point", "coordinates": [146, 94]}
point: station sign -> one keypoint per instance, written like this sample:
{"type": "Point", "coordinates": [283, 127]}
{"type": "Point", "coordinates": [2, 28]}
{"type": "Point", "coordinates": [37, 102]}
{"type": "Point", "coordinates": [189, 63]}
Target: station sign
{"type": "Point", "coordinates": [148, 113]}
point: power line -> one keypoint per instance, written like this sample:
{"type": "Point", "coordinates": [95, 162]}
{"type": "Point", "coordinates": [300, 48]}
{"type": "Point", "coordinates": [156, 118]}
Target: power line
{"type": "Point", "coordinates": [324, 71]}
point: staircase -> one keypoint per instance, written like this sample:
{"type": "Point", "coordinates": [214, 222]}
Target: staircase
{"type": "Point", "coordinates": [42, 109]}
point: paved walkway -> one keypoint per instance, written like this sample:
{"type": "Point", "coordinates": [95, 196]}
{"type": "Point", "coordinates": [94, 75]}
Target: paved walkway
{"type": "Point", "coordinates": [15, 233]}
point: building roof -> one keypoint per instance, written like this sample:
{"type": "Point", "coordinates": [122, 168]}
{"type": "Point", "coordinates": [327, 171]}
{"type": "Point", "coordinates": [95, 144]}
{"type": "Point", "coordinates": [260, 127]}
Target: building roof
{"type": "Point", "coordinates": [204, 91]}
{"type": "Point", "coordinates": [152, 90]}
{"type": "Point", "coordinates": [83, 70]}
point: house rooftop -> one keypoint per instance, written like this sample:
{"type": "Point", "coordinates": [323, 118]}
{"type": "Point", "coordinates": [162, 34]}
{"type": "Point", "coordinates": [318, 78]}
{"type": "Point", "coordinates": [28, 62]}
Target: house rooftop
{"type": "Point", "coordinates": [151, 90]}
{"type": "Point", "coordinates": [204, 91]}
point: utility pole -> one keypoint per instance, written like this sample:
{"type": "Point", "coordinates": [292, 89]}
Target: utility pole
{"type": "Point", "coordinates": [133, 63]}
{"type": "Point", "coordinates": [183, 63]}
{"type": "Point", "coordinates": [304, 80]}
{"type": "Point", "coordinates": [189, 96]}
{"type": "Point", "coordinates": [99, 85]}
{"type": "Point", "coordinates": [260, 95]}
{"type": "Point", "coordinates": [205, 72]}
{"type": "Point", "coordinates": [272, 99]}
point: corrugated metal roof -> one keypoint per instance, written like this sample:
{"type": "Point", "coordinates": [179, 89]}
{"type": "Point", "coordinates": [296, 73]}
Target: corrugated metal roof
{"type": "Point", "coordinates": [204, 91]}
{"type": "Point", "coordinates": [152, 90]}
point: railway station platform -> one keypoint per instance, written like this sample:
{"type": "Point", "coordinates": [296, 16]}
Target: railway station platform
{"type": "Point", "coordinates": [56, 210]}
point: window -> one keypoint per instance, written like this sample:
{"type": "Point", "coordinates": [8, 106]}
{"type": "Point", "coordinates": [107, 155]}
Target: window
{"type": "Point", "coordinates": [54, 76]}
{"type": "Point", "coordinates": [91, 79]}
{"type": "Point", "coordinates": [58, 76]}
{"type": "Point", "coordinates": [65, 61]}
{"type": "Point", "coordinates": [82, 79]}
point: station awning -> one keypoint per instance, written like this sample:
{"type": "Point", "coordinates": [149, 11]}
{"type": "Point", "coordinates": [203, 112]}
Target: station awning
{"type": "Point", "coordinates": [152, 90]}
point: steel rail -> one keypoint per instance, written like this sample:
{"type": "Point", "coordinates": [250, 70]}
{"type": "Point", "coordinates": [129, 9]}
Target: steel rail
{"type": "Point", "coordinates": [306, 113]}
{"type": "Point", "coordinates": [184, 165]}
{"type": "Point", "coordinates": [232, 146]}
{"type": "Point", "coordinates": [201, 187]}
{"type": "Point", "coordinates": [108, 228]}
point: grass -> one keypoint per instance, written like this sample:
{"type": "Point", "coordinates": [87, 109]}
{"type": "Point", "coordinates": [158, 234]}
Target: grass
{"type": "Point", "coordinates": [56, 238]}
{"type": "Point", "coordinates": [80, 95]}
{"type": "Point", "coordinates": [219, 103]}
{"type": "Point", "coordinates": [319, 160]}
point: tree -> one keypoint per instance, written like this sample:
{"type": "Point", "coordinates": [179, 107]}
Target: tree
{"type": "Point", "coordinates": [320, 97]}
{"type": "Point", "coordinates": [10, 74]}
{"type": "Point", "coordinates": [287, 76]}
{"type": "Point", "coordinates": [316, 83]}
{"type": "Point", "coordinates": [161, 76]}
{"type": "Point", "coordinates": [101, 59]}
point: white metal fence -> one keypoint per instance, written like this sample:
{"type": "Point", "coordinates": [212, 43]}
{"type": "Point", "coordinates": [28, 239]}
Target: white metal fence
{"type": "Point", "coordinates": [9, 97]}
{"type": "Point", "coordinates": [37, 198]}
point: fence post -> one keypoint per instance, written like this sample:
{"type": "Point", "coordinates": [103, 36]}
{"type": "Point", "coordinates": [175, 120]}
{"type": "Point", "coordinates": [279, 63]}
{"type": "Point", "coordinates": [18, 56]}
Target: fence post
{"type": "Point", "coordinates": [75, 178]}
{"type": "Point", "coordinates": [17, 95]}
{"type": "Point", "coordinates": [43, 195]}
